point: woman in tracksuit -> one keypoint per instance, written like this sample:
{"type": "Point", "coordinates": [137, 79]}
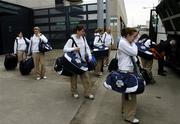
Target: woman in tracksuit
{"type": "Point", "coordinates": [80, 49]}
{"type": "Point", "coordinates": [126, 50]}
{"type": "Point", "coordinates": [38, 57]}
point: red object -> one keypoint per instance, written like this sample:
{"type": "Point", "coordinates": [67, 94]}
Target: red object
{"type": "Point", "coordinates": [156, 54]}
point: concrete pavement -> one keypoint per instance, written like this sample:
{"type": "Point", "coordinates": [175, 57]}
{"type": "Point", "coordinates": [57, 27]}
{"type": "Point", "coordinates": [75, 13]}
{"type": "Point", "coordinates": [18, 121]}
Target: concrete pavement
{"type": "Point", "coordinates": [24, 100]}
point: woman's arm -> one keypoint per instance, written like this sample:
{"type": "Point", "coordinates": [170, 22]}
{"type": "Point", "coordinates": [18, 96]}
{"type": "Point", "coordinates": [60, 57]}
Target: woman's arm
{"type": "Point", "coordinates": [68, 46]}
{"type": "Point", "coordinates": [129, 49]}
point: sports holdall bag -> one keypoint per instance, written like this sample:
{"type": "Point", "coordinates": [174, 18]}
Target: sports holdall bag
{"type": "Point", "coordinates": [141, 84]}
{"type": "Point", "coordinates": [100, 51]}
{"type": "Point", "coordinates": [10, 61]}
{"type": "Point", "coordinates": [121, 82]}
{"type": "Point", "coordinates": [74, 63]}
{"type": "Point", "coordinates": [26, 66]}
{"type": "Point", "coordinates": [44, 47]}
{"type": "Point", "coordinates": [144, 52]}
{"type": "Point", "coordinates": [60, 69]}
{"type": "Point", "coordinates": [125, 82]}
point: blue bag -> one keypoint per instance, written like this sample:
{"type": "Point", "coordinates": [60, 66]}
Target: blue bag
{"type": "Point", "coordinates": [74, 63]}
{"type": "Point", "coordinates": [91, 63]}
{"type": "Point", "coordinates": [144, 51]}
{"type": "Point", "coordinates": [125, 82]}
{"type": "Point", "coordinates": [141, 84]}
{"type": "Point", "coordinates": [100, 51]}
{"type": "Point", "coordinates": [121, 82]}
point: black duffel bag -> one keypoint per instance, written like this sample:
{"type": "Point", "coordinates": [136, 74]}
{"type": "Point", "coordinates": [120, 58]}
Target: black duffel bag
{"type": "Point", "coordinates": [44, 47]}
{"type": "Point", "coordinates": [100, 51]}
{"type": "Point", "coordinates": [10, 61]}
{"type": "Point", "coordinates": [60, 69]}
{"type": "Point", "coordinates": [113, 65]}
{"type": "Point", "coordinates": [26, 65]}
{"type": "Point", "coordinates": [146, 75]}
{"type": "Point", "coordinates": [74, 63]}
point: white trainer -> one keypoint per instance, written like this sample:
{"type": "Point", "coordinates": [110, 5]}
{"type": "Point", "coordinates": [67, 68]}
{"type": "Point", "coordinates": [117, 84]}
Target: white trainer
{"type": "Point", "coordinates": [44, 77]}
{"type": "Point", "coordinates": [38, 78]}
{"type": "Point", "coordinates": [76, 96]}
{"type": "Point", "coordinates": [135, 121]}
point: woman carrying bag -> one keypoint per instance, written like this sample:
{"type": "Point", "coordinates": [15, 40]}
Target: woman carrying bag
{"type": "Point", "coordinates": [80, 52]}
{"type": "Point", "coordinates": [126, 50]}
{"type": "Point", "coordinates": [21, 46]}
{"type": "Point", "coordinates": [98, 42]}
{"type": "Point", "coordinates": [38, 57]}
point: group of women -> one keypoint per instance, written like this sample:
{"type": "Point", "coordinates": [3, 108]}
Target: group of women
{"type": "Point", "coordinates": [23, 47]}
{"type": "Point", "coordinates": [126, 50]}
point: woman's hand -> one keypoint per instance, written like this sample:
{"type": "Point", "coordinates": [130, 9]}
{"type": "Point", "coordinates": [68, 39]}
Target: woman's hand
{"type": "Point", "coordinates": [77, 49]}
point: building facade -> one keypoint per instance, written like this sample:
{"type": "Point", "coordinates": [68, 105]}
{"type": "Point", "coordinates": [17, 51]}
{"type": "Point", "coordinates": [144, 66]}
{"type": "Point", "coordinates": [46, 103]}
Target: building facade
{"type": "Point", "coordinates": [57, 21]}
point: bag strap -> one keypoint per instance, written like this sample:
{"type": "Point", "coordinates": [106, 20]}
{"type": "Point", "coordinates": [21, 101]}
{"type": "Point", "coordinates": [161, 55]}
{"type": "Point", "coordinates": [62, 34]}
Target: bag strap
{"type": "Point", "coordinates": [136, 67]}
{"type": "Point", "coordinates": [25, 41]}
{"type": "Point", "coordinates": [99, 38]}
{"type": "Point", "coordinates": [16, 44]}
{"type": "Point", "coordinates": [74, 43]}
{"type": "Point", "coordinates": [85, 44]}
{"type": "Point", "coordinates": [104, 38]}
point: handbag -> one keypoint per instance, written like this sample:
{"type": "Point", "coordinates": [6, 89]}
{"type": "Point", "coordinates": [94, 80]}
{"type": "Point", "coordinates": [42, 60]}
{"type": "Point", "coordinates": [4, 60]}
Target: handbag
{"type": "Point", "coordinates": [44, 47]}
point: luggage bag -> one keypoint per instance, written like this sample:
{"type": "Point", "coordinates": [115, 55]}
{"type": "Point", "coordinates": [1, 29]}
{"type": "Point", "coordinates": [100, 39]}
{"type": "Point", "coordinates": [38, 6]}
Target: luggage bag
{"type": "Point", "coordinates": [73, 63]}
{"type": "Point", "coordinates": [60, 69]}
{"type": "Point", "coordinates": [144, 52]}
{"type": "Point", "coordinates": [10, 62]}
{"type": "Point", "coordinates": [100, 51]}
{"type": "Point", "coordinates": [26, 66]}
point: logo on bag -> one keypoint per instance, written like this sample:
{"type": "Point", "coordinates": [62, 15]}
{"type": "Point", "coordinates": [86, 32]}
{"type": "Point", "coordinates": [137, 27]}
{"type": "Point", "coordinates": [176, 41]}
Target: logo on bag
{"type": "Point", "coordinates": [78, 60]}
{"type": "Point", "coordinates": [119, 83]}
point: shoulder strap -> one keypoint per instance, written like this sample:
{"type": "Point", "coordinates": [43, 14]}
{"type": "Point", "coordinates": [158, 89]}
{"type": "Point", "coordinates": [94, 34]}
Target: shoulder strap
{"type": "Point", "coordinates": [74, 43]}
{"type": "Point", "coordinates": [25, 41]}
{"type": "Point", "coordinates": [104, 38]}
{"type": "Point", "coordinates": [99, 40]}
{"type": "Point", "coordinates": [16, 44]}
{"type": "Point", "coordinates": [145, 40]}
